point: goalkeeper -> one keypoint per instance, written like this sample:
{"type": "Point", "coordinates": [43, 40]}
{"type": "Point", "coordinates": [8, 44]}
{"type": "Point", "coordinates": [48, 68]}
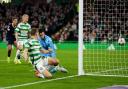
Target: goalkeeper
{"type": "Point", "coordinates": [46, 42]}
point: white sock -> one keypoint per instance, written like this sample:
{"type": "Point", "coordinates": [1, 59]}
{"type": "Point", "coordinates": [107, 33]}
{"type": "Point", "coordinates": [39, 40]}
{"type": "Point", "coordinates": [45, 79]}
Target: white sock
{"type": "Point", "coordinates": [17, 53]}
{"type": "Point", "coordinates": [41, 75]}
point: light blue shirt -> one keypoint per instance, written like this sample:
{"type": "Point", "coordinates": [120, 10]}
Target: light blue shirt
{"type": "Point", "coordinates": [47, 43]}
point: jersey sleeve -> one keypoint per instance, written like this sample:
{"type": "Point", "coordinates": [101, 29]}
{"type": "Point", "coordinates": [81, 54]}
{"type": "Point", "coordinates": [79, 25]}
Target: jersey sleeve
{"type": "Point", "coordinates": [40, 47]}
{"type": "Point", "coordinates": [17, 28]}
{"type": "Point", "coordinates": [29, 29]}
{"type": "Point", "coordinates": [8, 28]}
{"type": "Point", "coordinates": [27, 45]}
{"type": "Point", "coordinates": [50, 43]}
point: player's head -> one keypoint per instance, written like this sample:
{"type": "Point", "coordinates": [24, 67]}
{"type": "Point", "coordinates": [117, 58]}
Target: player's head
{"type": "Point", "coordinates": [34, 32]}
{"type": "Point", "coordinates": [42, 33]}
{"type": "Point", "coordinates": [14, 21]}
{"type": "Point", "coordinates": [25, 18]}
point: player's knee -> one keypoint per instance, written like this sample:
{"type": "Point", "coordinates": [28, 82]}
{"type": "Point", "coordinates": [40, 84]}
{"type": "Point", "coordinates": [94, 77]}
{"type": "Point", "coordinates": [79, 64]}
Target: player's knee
{"type": "Point", "coordinates": [9, 47]}
{"type": "Point", "coordinates": [55, 62]}
{"type": "Point", "coordinates": [48, 76]}
{"type": "Point", "coordinates": [20, 47]}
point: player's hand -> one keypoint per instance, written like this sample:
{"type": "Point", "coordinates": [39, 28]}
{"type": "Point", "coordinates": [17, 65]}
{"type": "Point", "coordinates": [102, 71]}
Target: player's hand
{"type": "Point", "coordinates": [50, 50]}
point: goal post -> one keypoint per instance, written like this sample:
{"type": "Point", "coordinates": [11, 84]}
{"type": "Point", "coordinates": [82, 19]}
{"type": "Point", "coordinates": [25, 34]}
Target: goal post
{"type": "Point", "coordinates": [80, 42]}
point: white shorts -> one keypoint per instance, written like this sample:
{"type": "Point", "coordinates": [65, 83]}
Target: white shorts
{"type": "Point", "coordinates": [41, 64]}
{"type": "Point", "coordinates": [20, 44]}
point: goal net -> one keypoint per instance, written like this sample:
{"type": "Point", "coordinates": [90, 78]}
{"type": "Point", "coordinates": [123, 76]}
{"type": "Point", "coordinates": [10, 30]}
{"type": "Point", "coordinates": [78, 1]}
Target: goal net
{"type": "Point", "coordinates": [105, 35]}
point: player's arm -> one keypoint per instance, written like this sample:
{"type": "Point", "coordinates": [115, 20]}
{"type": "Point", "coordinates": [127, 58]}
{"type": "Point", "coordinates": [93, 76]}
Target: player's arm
{"type": "Point", "coordinates": [17, 32]}
{"type": "Point", "coordinates": [29, 32]}
{"type": "Point", "coordinates": [50, 50]}
{"type": "Point", "coordinates": [44, 51]}
{"type": "Point", "coordinates": [50, 45]}
{"type": "Point", "coordinates": [16, 35]}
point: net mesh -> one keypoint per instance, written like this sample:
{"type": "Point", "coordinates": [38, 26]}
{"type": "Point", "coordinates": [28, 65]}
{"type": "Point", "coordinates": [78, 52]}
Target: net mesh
{"type": "Point", "coordinates": [106, 37]}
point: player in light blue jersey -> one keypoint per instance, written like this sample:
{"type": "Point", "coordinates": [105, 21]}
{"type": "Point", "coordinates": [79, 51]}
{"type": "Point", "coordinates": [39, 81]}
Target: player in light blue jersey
{"type": "Point", "coordinates": [47, 43]}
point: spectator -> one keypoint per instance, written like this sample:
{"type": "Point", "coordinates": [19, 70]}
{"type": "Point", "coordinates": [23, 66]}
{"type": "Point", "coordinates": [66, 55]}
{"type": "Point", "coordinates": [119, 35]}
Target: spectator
{"type": "Point", "coordinates": [50, 16]}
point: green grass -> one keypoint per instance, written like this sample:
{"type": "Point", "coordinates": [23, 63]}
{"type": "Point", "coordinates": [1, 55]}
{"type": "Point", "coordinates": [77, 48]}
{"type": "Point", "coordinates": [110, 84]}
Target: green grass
{"type": "Point", "coordinates": [11, 74]}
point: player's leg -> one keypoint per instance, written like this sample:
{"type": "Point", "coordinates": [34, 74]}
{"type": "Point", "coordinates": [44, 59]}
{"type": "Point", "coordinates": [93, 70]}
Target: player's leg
{"type": "Point", "coordinates": [56, 68]}
{"type": "Point", "coordinates": [43, 74]}
{"type": "Point", "coordinates": [52, 61]}
{"type": "Point", "coordinates": [17, 58]}
{"type": "Point", "coordinates": [18, 52]}
{"type": "Point", "coordinates": [9, 52]}
{"type": "Point", "coordinates": [15, 44]}
{"type": "Point", "coordinates": [41, 70]}
{"type": "Point", "coordinates": [60, 68]}
{"type": "Point", "coordinates": [53, 65]}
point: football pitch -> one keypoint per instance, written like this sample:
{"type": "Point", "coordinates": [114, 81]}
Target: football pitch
{"type": "Point", "coordinates": [21, 76]}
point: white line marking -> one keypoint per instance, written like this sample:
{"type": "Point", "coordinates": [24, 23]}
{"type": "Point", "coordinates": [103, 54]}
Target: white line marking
{"type": "Point", "coordinates": [100, 73]}
{"type": "Point", "coordinates": [27, 84]}
{"type": "Point", "coordinates": [114, 86]}
{"type": "Point", "coordinates": [110, 70]}
{"type": "Point", "coordinates": [103, 75]}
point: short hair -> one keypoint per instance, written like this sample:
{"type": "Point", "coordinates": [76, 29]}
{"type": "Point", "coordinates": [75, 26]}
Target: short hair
{"type": "Point", "coordinates": [13, 18]}
{"type": "Point", "coordinates": [41, 30]}
{"type": "Point", "coordinates": [25, 15]}
{"type": "Point", "coordinates": [34, 31]}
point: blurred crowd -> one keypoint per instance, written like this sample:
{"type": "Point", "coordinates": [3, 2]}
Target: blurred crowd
{"type": "Point", "coordinates": [60, 21]}
{"type": "Point", "coordinates": [105, 20]}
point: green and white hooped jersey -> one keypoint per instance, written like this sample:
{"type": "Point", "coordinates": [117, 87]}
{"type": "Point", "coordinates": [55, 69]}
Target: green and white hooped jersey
{"type": "Point", "coordinates": [23, 29]}
{"type": "Point", "coordinates": [34, 48]}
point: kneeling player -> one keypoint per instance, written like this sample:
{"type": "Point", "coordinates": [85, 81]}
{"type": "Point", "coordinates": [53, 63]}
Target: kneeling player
{"type": "Point", "coordinates": [11, 37]}
{"type": "Point", "coordinates": [33, 47]}
{"type": "Point", "coordinates": [46, 43]}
